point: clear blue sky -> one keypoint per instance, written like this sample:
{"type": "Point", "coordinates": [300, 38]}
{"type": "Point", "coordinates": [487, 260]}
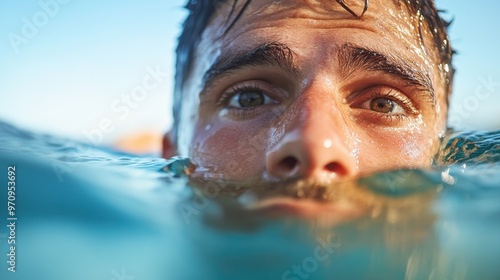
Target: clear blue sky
{"type": "Point", "coordinates": [86, 55]}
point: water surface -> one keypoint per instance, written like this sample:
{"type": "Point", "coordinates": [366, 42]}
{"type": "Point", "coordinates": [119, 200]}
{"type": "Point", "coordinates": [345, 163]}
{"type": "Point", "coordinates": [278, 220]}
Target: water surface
{"type": "Point", "coordinates": [85, 212]}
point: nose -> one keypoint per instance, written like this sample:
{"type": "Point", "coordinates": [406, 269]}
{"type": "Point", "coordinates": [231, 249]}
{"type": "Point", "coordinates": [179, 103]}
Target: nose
{"type": "Point", "coordinates": [314, 147]}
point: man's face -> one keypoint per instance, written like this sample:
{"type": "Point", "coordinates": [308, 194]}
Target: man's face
{"type": "Point", "coordinates": [302, 89]}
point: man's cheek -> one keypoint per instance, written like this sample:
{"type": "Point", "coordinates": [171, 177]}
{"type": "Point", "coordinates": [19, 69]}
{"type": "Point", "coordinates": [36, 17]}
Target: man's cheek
{"type": "Point", "coordinates": [387, 151]}
{"type": "Point", "coordinates": [229, 151]}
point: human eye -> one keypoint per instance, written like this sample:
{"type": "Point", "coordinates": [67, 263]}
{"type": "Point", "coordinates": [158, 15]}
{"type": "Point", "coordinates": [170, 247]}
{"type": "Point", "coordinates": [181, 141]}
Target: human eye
{"type": "Point", "coordinates": [247, 98]}
{"type": "Point", "coordinates": [385, 103]}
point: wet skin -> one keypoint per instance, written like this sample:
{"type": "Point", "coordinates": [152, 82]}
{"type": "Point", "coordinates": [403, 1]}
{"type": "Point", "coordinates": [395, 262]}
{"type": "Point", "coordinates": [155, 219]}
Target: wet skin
{"type": "Point", "coordinates": [303, 90]}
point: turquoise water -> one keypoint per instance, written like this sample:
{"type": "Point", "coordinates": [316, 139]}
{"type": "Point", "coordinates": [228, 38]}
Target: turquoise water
{"type": "Point", "coordinates": [91, 213]}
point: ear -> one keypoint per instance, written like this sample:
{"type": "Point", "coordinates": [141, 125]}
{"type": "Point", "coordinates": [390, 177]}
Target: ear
{"type": "Point", "coordinates": [169, 149]}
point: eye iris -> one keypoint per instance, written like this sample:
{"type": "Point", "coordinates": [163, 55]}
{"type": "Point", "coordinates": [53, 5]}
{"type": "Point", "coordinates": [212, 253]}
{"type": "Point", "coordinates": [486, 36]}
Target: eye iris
{"type": "Point", "coordinates": [251, 99]}
{"type": "Point", "coordinates": [382, 105]}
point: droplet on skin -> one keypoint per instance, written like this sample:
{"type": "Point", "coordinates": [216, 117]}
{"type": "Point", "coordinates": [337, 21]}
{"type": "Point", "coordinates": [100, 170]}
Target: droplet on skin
{"type": "Point", "coordinates": [446, 68]}
{"type": "Point", "coordinates": [327, 143]}
{"type": "Point", "coordinates": [223, 113]}
{"type": "Point", "coordinates": [355, 150]}
{"type": "Point", "coordinates": [304, 83]}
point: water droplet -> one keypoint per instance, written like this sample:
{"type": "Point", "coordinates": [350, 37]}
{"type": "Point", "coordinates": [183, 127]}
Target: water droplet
{"type": "Point", "coordinates": [247, 199]}
{"type": "Point", "coordinates": [178, 166]}
{"type": "Point", "coordinates": [446, 68]}
{"type": "Point", "coordinates": [447, 178]}
{"type": "Point", "coordinates": [463, 167]}
{"type": "Point", "coordinates": [223, 113]}
{"type": "Point", "coordinates": [327, 143]}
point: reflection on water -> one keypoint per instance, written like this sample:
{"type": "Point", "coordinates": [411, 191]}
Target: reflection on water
{"type": "Point", "coordinates": [90, 213]}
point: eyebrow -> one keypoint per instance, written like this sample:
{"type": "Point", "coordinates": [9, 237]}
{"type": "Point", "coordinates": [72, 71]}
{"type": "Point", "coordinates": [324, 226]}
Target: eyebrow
{"type": "Point", "coordinates": [353, 58]}
{"type": "Point", "coordinates": [268, 54]}
{"type": "Point", "coordinates": [350, 58]}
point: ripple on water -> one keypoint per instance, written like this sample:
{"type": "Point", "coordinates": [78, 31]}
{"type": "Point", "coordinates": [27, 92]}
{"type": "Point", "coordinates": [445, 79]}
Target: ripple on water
{"type": "Point", "coordinates": [112, 211]}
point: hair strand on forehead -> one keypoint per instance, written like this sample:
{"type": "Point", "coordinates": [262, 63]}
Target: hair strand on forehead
{"type": "Point", "coordinates": [240, 13]}
{"type": "Point", "coordinates": [342, 3]}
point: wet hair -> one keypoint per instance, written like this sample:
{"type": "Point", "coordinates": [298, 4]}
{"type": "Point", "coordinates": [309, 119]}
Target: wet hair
{"type": "Point", "coordinates": [201, 11]}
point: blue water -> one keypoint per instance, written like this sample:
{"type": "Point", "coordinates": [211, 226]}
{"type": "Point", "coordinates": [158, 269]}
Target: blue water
{"type": "Point", "coordinates": [91, 213]}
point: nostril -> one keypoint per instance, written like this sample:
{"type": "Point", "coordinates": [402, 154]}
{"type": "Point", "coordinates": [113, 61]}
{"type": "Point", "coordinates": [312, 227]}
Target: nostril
{"type": "Point", "coordinates": [334, 167]}
{"type": "Point", "coordinates": [288, 164]}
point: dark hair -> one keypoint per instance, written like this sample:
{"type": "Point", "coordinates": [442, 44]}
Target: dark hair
{"type": "Point", "coordinates": [200, 12]}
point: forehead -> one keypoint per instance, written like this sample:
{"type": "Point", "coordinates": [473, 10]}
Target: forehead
{"type": "Point", "coordinates": [309, 26]}
{"type": "Point", "coordinates": [243, 22]}
{"type": "Point", "coordinates": [381, 14]}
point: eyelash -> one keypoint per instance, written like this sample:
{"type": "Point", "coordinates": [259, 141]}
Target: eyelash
{"type": "Point", "coordinates": [391, 94]}
{"type": "Point", "coordinates": [372, 93]}
{"type": "Point", "coordinates": [235, 89]}
{"type": "Point", "coordinates": [227, 95]}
